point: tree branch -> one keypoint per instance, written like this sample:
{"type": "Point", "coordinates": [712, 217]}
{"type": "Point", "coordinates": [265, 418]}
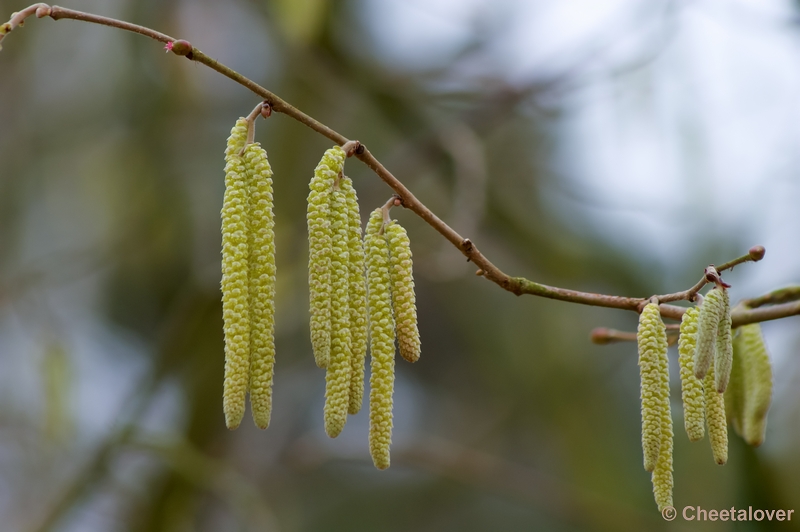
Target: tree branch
{"type": "Point", "coordinates": [515, 285]}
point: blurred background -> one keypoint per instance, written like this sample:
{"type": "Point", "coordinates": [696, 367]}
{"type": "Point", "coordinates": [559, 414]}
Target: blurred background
{"type": "Point", "coordinates": [616, 146]}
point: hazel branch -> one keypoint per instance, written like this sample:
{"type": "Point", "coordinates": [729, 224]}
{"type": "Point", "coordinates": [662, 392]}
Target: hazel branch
{"type": "Point", "coordinates": [515, 285]}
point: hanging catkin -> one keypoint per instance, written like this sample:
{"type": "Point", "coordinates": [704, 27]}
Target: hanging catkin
{"type": "Point", "coordinates": [734, 393]}
{"type": "Point", "coordinates": [757, 374]}
{"type": "Point", "coordinates": [261, 274]}
{"type": "Point", "coordinates": [691, 387]}
{"type": "Point", "coordinates": [707, 330]}
{"type": "Point", "coordinates": [662, 474]}
{"type": "Point", "coordinates": [319, 258]}
{"type": "Point", "coordinates": [358, 299]}
{"type": "Point", "coordinates": [403, 298]}
{"type": "Point", "coordinates": [235, 308]}
{"type": "Point", "coordinates": [382, 329]}
{"type": "Point", "coordinates": [723, 357]}
{"type": "Point", "coordinates": [652, 342]}
{"type": "Point", "coordinates": [337, 381]}
{"type": "Point", "coordinates": [715, 418]}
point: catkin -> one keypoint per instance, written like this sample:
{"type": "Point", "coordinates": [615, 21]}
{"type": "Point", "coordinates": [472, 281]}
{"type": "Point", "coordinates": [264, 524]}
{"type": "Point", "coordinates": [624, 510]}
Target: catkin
{"type": "Point", "coordinates": [707, 331]}
{"type": "Point", "coordinates": [261, 274]}
{"type": "Point", "coordinates": [319, 255]}
{"type": "Point", "coordinates": [403, 297]}
{"type": "Point", "coordinates": [381, 325]}
{"type": "Point", "coordinates": [734, 393]}
{"type": "Point", "coordinates": [691, 387]}
{"type": "Point", "coordinates": [723, 357]}
{"type": "Point", "coordinates": [715, 418]}
{"type": "Point", "coordinates": [337, 381]}
{"type": "Point", "coordinates": [235, 308]}
{"type": "Point", "coordinates": [652, 342]}
{"type": "Point", "coordinates": [358, 299]}
{"type": "Point", "coordinates": [757, 374]}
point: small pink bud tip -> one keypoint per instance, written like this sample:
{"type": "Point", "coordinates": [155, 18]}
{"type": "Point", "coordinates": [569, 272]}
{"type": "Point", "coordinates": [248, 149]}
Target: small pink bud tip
{"type": "Point", "coordinates": [266, 109]}
{"type": "Point", "coordinates": [600, 336]}
{"type": "Point", "coordinates": [179, 47]}
{"type": "Point", "coordinates": [757, 253]}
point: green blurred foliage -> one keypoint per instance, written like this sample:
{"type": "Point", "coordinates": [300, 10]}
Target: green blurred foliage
{"type": "Point", "coordinates": [110, 191]}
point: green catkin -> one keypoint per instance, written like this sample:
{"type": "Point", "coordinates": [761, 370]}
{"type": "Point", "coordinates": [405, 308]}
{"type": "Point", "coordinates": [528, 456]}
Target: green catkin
{"type": "Point", "coordinates": [723, 357]}
{"type": "Point", "coordinates": [734, 394]}
{"type": "Point", "coordinates": [381, 328]}
{"type": "Point", "coordinates": [261, 274]}
{"type": "Point", "coordinates": [715, 418]}
{"type": "Point", "coordinates": [652, 342]}
{"type": "Point", "coordinates": [358, 299]}
{"type": "Point", "coordinates": [662, 474]}
{"type": "Point", "coordinates": [403, 297]}
{"type": "Point", "coordinates": [691, 387]}
{"type": "Point", "coordinates": [757, 373]}
{"type": "Point", "coordinates": [707, 331]}
{"type": "Point", "coordinates": [337, 380]}
{"type": "Point", "coordinates": [319, 258]}
{"type": "Point", "coordinates": [235, 308]}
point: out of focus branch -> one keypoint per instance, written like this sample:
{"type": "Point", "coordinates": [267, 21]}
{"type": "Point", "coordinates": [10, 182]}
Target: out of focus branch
{"type": "Point", "coordinates": [515, 285]}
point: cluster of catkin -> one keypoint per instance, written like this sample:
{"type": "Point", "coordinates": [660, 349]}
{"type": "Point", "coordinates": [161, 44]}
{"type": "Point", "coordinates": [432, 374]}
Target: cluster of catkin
{"type": "Point", "coordinates": [248, 279]}
{"type": "Point", "coordinates": [357, 285]}
{"type": "Point", "coordinates": [722, 378]}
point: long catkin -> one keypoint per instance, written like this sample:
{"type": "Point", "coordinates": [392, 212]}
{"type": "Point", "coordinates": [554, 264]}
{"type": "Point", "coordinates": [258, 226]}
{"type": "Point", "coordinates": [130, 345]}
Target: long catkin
{"type": "Point", "coordinates": [403, 297]}
{"type": "Point", "coordinates": [358, 299]}
{"type": "Point", "coordinates": [707, 331]}
{"type": "Point", "coordinates": [319, 258]}
{"type": "Point", "coordinates": [757, 374]}
{"type": "Point", "coordinates": [652, 343]}
{"type": "Point", "coordinates": [261, 275]}
{"type": "Point", "coordinates": [381, 325]}
{"type": "Point", "coordinates": [337, 381]}
{"type": "Point", "coordinates": [723, 357]}
{"type": "Point", "coordinates": [734, 393]}
{"type": "Point", "coordinates": [715, 418]}
{"type": "Point", "coordinates": [691, 387]}
{"type": "Point", "coordinates": [234, 285]}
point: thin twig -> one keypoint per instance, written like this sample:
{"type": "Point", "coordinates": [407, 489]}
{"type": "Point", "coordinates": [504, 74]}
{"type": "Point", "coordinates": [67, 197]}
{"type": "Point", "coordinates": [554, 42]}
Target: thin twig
{"type": "Point", "coordinates": [515, 285]}
{"type": "Point", "coordinates": [781, 295]}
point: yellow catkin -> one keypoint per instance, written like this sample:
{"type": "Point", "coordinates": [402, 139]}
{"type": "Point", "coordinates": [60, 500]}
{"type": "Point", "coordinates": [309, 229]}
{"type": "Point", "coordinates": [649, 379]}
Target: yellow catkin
{"type": "Point", "coordinates": [707, 331]}
{"type": "Point", "coordinates": [261, 274]}
{"type": "Point", "coordinates": [358, 299]}
{"type": "Point", "coordinates": [235, 309]}
{"type": "Point", "coordinates": [381, 328]}
{"type": "Point", "coordinates": [734, 394]}
{"type": "Point", "coordinates": [403, 297]}
{"type": "Point", "coordinates": [757, 374]}
{"type": "Point", "coordinates": [715, 418]}
{"type": "Point", "coordinates": [662, 474]}
{"type": "Point", "coordinates": [652, 342]}
{"type": "Point", "coordinates": [691, 388]}
{"type": "Point", "coordinates": [723, 357]}
{"type": "Point", "coordinates": [337, 381]}
{"type": "Point", "coordinates": [319, 259]}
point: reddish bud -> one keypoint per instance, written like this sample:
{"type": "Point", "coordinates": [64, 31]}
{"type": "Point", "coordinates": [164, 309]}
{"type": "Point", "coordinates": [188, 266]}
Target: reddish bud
{"type": "Point", "coordinates": [757, 253]}
{"type": "Point", "coordinates": [179, 47]}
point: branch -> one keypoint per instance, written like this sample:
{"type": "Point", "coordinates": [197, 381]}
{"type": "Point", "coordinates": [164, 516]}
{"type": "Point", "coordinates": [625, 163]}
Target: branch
{"type": "Point", "coordinates": [515, 285]}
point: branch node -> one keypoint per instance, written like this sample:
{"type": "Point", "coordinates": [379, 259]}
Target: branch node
{"type": "Point", "coordinates": [479, 273]}
{"type": "Point", "coordinates": [351, 147]}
